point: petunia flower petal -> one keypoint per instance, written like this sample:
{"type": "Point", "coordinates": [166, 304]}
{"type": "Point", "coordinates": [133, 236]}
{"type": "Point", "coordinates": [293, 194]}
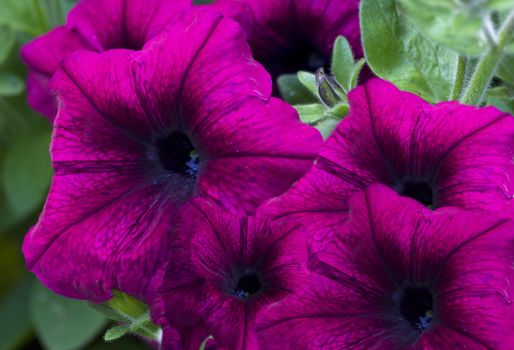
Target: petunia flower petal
{"type": "Point", "coordinates": [391, 245]}
{"type": "Point", "coordinates": [113, 200]}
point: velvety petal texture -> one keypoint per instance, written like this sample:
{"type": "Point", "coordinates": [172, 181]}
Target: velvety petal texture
{"type": "Point", "coordinates": [138, 133]}
{"type": "Point", "coordinates": [94, 25]}
{"type": "Point", "coordinates": [224, 270]}
{"type": "Point", "coordinates": [291, 35]}
{"type": "Point", "coordinates": [400, 276]}
{"type": "Point", "coordinates": [446, 154]}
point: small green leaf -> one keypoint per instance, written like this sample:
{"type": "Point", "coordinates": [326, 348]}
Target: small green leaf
{"type": "Point", "coordinates": [327, 126]}
{"type": "Point", "coordinates": [343, 63]}
{"type": "Point", "coordinates": [340, 110]}
{"type": "Point", "coordinates": [127, 306]}
{"type": "Point", "coordinates": [27, 172]}
{"type": "Point", "coordinates": [311, 113]}
{"type": "Point", "coordinates": [7, 41]}
{"type": "Point", "coordinates": [11, 85]}
{"type": "Point", "coordinates": [62, 323]}
{"type": "Point", "coordinates": [294, 92]}
{"type": "Point", "coordinates": [116, 332]}
{"type": "Point", "coordinates": [131, 315]}
{"type": "Point", "coordinates": [308, 80]}
{"type": "Point", "coordinates": [357, 69]}
{"type": "Point", "coordinates": [397, 52]}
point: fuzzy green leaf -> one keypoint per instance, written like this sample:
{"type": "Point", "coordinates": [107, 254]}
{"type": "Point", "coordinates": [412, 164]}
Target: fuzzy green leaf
{"type": "Point", "coordinates": [343, 63]}
{"type": "Point", "coordinates": [308, 80]}
{"type": "Point", "coordinates": [397, 52]}
{"type": "Point", "coordinates": [454, 24]}
{"type": "Point", "coordinates": [311, 113]}
{"type": "Point", "coordinates": [293, 91]}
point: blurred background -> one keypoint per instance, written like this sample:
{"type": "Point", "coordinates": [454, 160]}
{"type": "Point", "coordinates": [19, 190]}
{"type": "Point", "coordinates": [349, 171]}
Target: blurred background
{"type": "Point", "coordinates": [31, 317]}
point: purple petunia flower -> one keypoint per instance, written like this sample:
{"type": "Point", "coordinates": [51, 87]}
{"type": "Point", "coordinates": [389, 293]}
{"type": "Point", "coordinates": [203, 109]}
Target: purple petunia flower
{"type": "Point", "coordinates": [94, 25]}
{"type": "Point", "coordinates": [441, 155]}
{"type": "Point", "coordinates": [291, 35]}
{"type": "Point", "coordinates": [225, 269]}
{"type": "Point", "coordinates": [400, 276]}
{"type": "Point", "coordinates": [138, 133]}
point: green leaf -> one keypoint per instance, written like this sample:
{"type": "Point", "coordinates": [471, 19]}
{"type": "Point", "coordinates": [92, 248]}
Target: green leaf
{"type": "Point", "coordinates": [114, 333]}
{"type": "Point", "coordinates": [132, 316]}
{"type": "Point", "coordinates": [11, 85]}
{"type": "Point", "coordinates": [127, 306]}
{"type": "Point", "coordinates": [502, 98]}
{"type": "Point", "coordinates": [27, 172]}
{"type": "Point", "coordinates": [61, 323]}
{"type": "Point", "coordinates": [357, 69]}
{"type": "Point", "coordinates": [308, 80]}
{"type": "Point", "coordinates": [7, 41]}
{"type": "Point", "coordinates": [15, 320]}
{"type": "Point", "coordinates": [397, 52]}
{"type": "Point", "coordinates": [327, 126]}
{"type": "Point", "coordinates": [294, 92]}
{"type": "Point", "coordinates": [340, 110]}
{"type": "Point", "coordinates": [311, 113]}
{"type": "Point", "coordinates": [343, 63]}
{"type": "Point", "coordinates": [454, 24]}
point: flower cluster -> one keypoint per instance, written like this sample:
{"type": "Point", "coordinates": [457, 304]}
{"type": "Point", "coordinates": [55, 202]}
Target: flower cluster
{"type": "Point", "coordinates": [182, 179]}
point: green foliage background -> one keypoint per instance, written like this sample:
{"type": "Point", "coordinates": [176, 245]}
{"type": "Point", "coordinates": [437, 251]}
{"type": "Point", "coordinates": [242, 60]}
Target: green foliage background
{"type": "Point", "coordinates": [31, 317]}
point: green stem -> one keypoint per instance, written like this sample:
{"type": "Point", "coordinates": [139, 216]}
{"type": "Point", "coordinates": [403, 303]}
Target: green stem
{"type": "Point", "coordinates": [487, 65]}
{"type": "Point", "coordinates": [459, 79]}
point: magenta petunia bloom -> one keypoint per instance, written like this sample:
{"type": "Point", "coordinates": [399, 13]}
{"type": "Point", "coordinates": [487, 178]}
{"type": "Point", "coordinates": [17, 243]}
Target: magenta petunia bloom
{"type": "Point", "coordinates": [291, 35]}
{"type": "Point", "coordinates": [94, 25]}
{"type": "Point", "coordinates": [400, 276]}
{"type": "Point", "coordinates": [441, 155]}
{"type": "Point", "coordinates": [138, 133]}
{"type": "Point", "coordinates": [224, 270]}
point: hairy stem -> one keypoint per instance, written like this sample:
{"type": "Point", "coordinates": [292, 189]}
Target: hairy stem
{"type": "Point", "coordinates": [487, 65]}
{"type": "Point", "coordinates": [459, 79]}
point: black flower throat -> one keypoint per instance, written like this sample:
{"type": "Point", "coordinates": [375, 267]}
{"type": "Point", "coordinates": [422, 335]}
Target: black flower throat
{"type": "Point", "coordinates": [416, 307]}
{"type": "Point", "coordinates": [177, 154]}
{"type": "Point", "coordinates": [422, 191]}
{"type": "Point", "coordinates": [247, 285]}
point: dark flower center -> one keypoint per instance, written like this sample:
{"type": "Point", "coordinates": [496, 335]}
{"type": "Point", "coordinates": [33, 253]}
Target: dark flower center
{"type": "Point", "coordinates": [299, 55]}
{"type": "Point", "coordinates": [416, 307]}
{"type": "Point", "coordinates": [247, 285]}
{"type": "Point", "coordinates": [418, 190]}
{"type": "Point", "coordinates": [177, 154]}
